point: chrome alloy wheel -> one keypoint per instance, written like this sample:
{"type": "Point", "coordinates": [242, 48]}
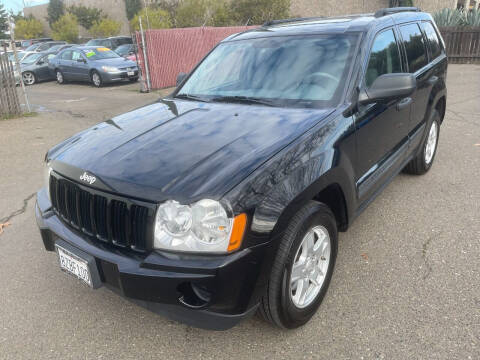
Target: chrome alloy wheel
{"type": "Point", "coordinates": [96, 79]}
{"type": "Point", "coordinates": [59, 77]}
{"type": "Point", "coordinates": [310, 267]}
{"type": "Point", "coordinates": [28, 78]}
{"type": "Point", "coordinates": [431, 143]}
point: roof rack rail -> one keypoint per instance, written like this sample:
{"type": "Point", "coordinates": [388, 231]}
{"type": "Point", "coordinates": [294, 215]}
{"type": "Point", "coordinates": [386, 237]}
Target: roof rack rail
{"type": "Point", "coordinates": [286, 21]}
{"type": "Point", "coordinates": [390, 11]}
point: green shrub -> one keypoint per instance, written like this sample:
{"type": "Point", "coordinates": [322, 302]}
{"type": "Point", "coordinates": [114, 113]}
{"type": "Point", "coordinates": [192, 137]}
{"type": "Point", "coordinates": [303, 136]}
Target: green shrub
{"type": "Point", "coordinates": [449, 17]}
{"type": "Point", "coordinates": [472, 18]}
{"type": "Point", "coordinates": [105, 28]}
{"type": "Point", "coordinates": [28, 29]}
{"type": "Point", "coordinates": [66, 28]}
{"type": "Point", "coordinates": [157, 19]}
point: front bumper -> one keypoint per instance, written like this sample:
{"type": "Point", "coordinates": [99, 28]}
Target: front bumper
{"type": "Point", "coordinates": [213, 292]}
{"type": "Point", "coordinates": [118, 76]}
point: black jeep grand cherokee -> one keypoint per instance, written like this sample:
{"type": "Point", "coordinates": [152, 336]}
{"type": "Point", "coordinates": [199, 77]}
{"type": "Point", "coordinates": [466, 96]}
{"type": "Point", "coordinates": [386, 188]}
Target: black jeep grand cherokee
{"type": "Point", "coordinates": [226, 197]}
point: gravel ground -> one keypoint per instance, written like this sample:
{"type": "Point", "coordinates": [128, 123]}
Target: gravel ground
{"type": "Point", "coordinates": [406, 283]}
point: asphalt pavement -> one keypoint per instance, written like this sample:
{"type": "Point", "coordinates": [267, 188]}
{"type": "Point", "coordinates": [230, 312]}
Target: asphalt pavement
{"type": "Point", "coordinates": [406, 283]}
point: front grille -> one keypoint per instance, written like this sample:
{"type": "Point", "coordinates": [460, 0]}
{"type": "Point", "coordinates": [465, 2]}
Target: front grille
{"type": "Point", "coordinates": [122, 222]}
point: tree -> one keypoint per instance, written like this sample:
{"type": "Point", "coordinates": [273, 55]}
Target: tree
{"type": "Point", "coordinates": [132, 7]}
{"type": "Point", "coordinates": [29, 28]}
{"type": "Point", "coordinates": [3, 22]}
{"type": "Point", "coordinates": [66, 28]}
{"type": "Point", "coordinates": [105, 28]}
{"type": "Point", "coordinates": [157, 18]}
{"type": "Point", "coordinates": [86, 16]}
{"type": "Point", "coordinates": [260, 11]}
{"type": "Point", "coordinates": [55, 10]}
{"type": "Point", "coordinates": [204, 13]}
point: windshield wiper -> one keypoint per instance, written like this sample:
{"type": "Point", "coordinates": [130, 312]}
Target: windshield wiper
{"type": "Point", "coordinates": [191, 97]}
{"type": "Point", "coordinates": [243, 99]}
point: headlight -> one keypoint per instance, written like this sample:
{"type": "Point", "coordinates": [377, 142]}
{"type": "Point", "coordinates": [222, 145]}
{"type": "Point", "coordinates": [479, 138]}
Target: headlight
{"type": "Point", "coordinates": [205, 226]}
{"type": "Point", "coordinates": [110, 69]}
{"type": "Point", "coordinates": [46, 178]}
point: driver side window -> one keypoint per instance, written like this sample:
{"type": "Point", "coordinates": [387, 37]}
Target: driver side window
{"type": "Point", "coordinates": [384, 57]}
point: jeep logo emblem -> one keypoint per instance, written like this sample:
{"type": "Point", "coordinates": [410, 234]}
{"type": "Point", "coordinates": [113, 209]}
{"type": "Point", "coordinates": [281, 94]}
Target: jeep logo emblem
{"type": "Point", "coordinates": [88, 178]}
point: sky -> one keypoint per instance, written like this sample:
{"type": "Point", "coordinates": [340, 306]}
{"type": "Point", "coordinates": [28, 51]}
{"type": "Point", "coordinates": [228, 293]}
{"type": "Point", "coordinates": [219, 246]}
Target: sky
{"type": "Point", "coordinates": [17, 5]}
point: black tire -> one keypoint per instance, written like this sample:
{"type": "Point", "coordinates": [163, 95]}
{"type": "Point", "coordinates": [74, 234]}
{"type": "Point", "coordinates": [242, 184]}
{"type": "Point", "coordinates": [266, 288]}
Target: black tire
{"type": "Point", "coordinates": [97, 83]}
{"type": "Point", "coordinates": [419, 165]}
{"type": "Point", "coordinates": [60, 79]}
{"type": "Point", "coordinates": [135, 79]}
{"type": "Point", "coordinates": [276, 304]}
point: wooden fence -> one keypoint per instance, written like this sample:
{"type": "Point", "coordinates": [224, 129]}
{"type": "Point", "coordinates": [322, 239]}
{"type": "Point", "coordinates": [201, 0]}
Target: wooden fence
{"type": "Point", "coordinates": [9, 102]}
{"type": "Point", "coordinates": [462, 43]}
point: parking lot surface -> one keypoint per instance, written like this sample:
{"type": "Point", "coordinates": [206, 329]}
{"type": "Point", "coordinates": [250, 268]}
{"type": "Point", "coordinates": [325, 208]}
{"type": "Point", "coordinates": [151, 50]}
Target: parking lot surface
{"type": "Point", "coordinates": [406, 283]}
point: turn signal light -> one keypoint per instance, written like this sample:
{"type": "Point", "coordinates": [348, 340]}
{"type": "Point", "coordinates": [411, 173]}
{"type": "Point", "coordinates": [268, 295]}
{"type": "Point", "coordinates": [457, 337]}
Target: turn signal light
{"type": "Point", "coordinates": [238, 230]}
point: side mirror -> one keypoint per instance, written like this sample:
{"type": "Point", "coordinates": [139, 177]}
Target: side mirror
{"type": "Point", "coordinates": [180, 77]}
{"type": "Point", "coordinates": [41, 62]}
{"type": "Point", "coordinates": [388, 87]}
{"type": "Point", "coordinates": [82, 60]}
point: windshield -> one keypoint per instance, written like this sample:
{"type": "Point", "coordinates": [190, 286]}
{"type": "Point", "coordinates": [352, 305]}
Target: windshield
{"type": "Point", "coordinates": [100, 53]}
{"type": "Point", "coordinates": [30, 59]}
{"type": "Point", "coordinates": [57, 47]}
{"type": "Point", "coordinates": [297, 71]}
{"type": "Point", "coordinates": [25, 43]}
{"type": "Point", "coordinates": [33, 47]}
{"type": "Point", "coordinates": [99, 42]}
{"type": "Point", "coordinates": [123, 50]}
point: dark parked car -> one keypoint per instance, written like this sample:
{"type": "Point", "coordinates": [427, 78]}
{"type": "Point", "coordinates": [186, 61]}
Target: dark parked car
{"type": "Point", "coordinates": [226, 197]}
{"type": "Point", "coordinates": [35, 68]}
{"type": "Point", "coordinates": [126, 50]}
{"type": "Point", "coordinates": [111, 42]}
{"type": "Point", "coordinates": [98, 65]}
{"type": "Point", "coordinates": [26, 43]}
{"type": "Point", "coordinates": [45, 46]}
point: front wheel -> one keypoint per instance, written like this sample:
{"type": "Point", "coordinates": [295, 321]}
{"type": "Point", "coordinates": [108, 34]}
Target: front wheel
{"type": "Point", "coordinates": [60, 78]}
{"type": "Point", "coordinates": [423, 161]}
{"type": "Point", "coordinates": [29, 78]}
{"type": "Point", "coordinates": [303, 267]}
{"type": "Point", "coordinates": [96, 79]}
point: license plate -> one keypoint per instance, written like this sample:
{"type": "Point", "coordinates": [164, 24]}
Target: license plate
{"type": "Point", "coordinates": [74, 265]}
{"type": "Point", "coordinates": [131, 73]}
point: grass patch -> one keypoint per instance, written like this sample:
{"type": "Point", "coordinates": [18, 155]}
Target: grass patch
{"type": "Point", "coordinates": [13, 116]}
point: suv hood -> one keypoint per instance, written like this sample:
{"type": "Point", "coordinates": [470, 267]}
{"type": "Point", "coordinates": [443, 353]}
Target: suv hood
{"type": "Point", "coordinates": [179, 149]}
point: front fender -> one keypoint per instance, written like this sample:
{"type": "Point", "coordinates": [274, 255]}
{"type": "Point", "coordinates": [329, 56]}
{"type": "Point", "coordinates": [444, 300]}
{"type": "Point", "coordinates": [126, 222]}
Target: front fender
{"type": "Point", "coordinates": [275, 192]}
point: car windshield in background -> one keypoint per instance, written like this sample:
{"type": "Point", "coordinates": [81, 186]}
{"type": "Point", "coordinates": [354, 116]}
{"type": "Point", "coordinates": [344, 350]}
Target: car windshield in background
{"type": "Point", "coordinates": [100, 53]}
{"type": "Point", "coordinates": [33, 47]}
{"type": "Point", "coordinates": [270, 71]}
{"type": "Point", "coordinates": [99, 42]}
{"type": "Point", "coordinates": [30, 59]}
{"type": "Point", "coordinates": [56, 47]}
{"type": "Point", "coordinates": [123, 50]}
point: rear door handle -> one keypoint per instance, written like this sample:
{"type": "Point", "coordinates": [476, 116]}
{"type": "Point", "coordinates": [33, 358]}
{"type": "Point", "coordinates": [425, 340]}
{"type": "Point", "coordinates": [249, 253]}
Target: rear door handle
{"type": "Point", "coordinates": [404, 103]}
{"type": "Point", "coordinates": [433, 80]}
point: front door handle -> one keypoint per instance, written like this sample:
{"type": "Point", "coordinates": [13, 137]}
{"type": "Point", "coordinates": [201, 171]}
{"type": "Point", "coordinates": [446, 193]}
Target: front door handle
{"type": "Point", "coordinates": [433, 80]}
{"type": "Point", "coordinates": [404, 103]}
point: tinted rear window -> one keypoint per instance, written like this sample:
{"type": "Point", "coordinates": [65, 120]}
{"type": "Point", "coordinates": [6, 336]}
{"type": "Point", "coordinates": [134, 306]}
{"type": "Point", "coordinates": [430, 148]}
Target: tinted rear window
{"type": "Point", "coordinates": [414, 46]}
{"type": "Point", "coordinates": [433, 39]}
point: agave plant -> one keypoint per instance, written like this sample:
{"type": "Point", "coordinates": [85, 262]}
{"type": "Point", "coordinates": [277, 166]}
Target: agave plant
{"type": "Point", "coordinates": [472, 18]}
{"type": "Point", "coordinates": [449, 17]}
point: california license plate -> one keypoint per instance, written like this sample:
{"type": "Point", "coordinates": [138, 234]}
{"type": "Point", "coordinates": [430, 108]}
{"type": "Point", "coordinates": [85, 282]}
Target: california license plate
{"type": "Point", "coordinates": [74, 265]}
{"type": "Point", "coordinates": [130, 73]}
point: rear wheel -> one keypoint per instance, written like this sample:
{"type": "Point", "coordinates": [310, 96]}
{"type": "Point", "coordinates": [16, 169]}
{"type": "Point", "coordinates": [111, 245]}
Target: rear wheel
{"type": "Point", "coordinates": [303, 267]}
{"type": "Point", "coordinates": [29, 78]}
{"type": "Point", "coordinates": [423, 161]}
{"type": "Point", "coordinates": [96, 79]}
